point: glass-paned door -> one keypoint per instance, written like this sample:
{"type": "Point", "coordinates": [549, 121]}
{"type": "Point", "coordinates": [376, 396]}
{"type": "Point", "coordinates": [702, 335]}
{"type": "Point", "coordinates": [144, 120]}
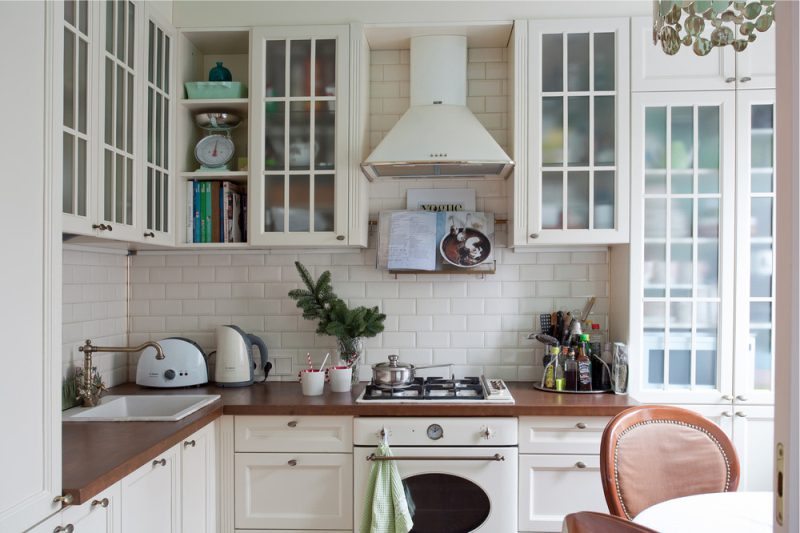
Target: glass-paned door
{"type": "Point", "coordinates": [755, 256]}
{"type": "Point", "coordinates": [579, 79]}
{"type": "Point", "coordinates": [119, 146]}
{"type": "Point", "coordinates": [683, 173]}
{"type": "Point", "coordinates": [77, 117]}
{"type": "Point", "coordinates": [158, 140]}
{"type": "Point", "coordinates": [303, 97]}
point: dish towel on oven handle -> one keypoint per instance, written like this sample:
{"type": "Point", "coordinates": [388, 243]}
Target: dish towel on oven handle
{"type": "Point", "coordinates": [386, 509]}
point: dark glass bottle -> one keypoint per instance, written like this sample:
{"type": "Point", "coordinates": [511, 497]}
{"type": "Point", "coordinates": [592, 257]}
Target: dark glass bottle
{"type": "Point", "coordinates": [571, 371]}
{"type": "Point", "coordinates": [584, 365]}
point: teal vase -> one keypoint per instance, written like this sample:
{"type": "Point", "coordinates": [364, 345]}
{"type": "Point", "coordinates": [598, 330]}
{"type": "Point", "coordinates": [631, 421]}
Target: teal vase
{"type": "Point", "coordinates": [219, 73]}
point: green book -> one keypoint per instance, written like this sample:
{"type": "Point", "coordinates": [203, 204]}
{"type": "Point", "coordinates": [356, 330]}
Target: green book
{"type": "Point", "coordinates": [202, 211]}
{"type": "Point", "coordinates": [207, 200]}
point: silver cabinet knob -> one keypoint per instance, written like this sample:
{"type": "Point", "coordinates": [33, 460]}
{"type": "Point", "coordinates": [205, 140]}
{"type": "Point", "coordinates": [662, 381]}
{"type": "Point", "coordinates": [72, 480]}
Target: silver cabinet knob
{"type": "Point", "coordinates": [745, 79]}
{"type": "Point", "coordinates": [162, 462]}
{"type": "Point", "coordinates": [188, 443]}
{"type": "Point", "coordinates": [340, 237]}
{"type": "Point", "coordinates": [580, 425]}
{"type": "Point", "coordinates": [741, 398]}
{"type": "Point", "coordinates": [102, 503]}
{"type": "Point", "coordinates": [292, 424]}
{"type": "Point", "coordinates": [726, 414]}
{"type": "Point", "coordinates": [487, 433]}
{"type": "Point", "coordinates": [66, 499]}
{"type": "Point", "coordinates": [292, 462]}
{"type": "Point", "coordinates": [69, 528]}
{"type": "Point", "coordinates": [741, 414]}
{"type": "Point", "coordinates": [149, 234]}
{"type": "Point", "coordinates": [730, 80]}
{"type": "Point", "coordinates": [727, 397]}
{"type": "Point", "coordinates": [534, 235]}
{"type": "Point", "coordinates": [580, 464]}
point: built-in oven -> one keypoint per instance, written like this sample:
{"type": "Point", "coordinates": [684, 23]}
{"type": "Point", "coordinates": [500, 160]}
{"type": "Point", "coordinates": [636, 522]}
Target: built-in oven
{"type": "Point", "coordinates": [459, 474]}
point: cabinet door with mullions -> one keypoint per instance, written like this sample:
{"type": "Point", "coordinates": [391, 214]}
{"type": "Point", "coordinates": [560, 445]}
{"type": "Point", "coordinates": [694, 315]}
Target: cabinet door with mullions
{"type": "Point", "coordinates": [300, 192]}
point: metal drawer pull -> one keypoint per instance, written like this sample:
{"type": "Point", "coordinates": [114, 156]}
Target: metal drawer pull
{"type": "Point", "coordinates": [742, 398]}
{"type": "Point", "coordinates": [102, 503]}
{"type": "Point", "coordinates": [340, 237]}
{"type": "Point", "coordinates": [162, 462]}
{"type": "Point", "coordinates": [292, 424]}
{"type": "Point", "coordinates": [69, 528]}
{"type": "Point", "coordinates": [741, 414]}
{"type": "Point", "coordinates": [580, 425]}
{"type": "Point", "coordinates": [580, 464]}
{"type": "Point", "coordinates": [730, 80]}
{"type": "Point", "coordinates": [188, 443]}
{"type": "Point", "coordinates": [293, 462]}
{"type": "Point", "coordinates": [745, 79]}
{"type": "Point", "coordinates": [727, 397]}
{"type": "Point", "coordinates": [726, 414]}
{"type": "Point", "coordinates": [495, 457]}
{"type": "Point", "coordinates": [66, 499]}
{"type": "Point", "coordinates": [149, 234]}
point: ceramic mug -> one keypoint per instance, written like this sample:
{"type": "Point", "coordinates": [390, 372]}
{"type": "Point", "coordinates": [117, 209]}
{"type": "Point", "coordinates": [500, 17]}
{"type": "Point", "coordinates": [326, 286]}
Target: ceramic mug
{"type": "Point", "coordinates": [340, 378]}
{"type": "Point", "coordinates": [312, 382]}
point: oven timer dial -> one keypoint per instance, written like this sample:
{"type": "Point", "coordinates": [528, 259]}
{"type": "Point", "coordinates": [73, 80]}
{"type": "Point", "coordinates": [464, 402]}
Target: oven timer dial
{"type": "Point", "coordinates": [435, 432]}
{"type": "Point", "coordinates": [487, 433]}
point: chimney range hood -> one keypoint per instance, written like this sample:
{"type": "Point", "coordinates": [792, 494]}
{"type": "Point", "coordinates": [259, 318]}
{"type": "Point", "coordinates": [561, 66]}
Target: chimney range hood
{"type": "Point", "coordinates": [438, 137]}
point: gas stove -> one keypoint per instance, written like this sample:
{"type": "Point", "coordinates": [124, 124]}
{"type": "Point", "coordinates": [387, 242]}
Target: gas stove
{"type": "Point", "coordinates": [477, 390]}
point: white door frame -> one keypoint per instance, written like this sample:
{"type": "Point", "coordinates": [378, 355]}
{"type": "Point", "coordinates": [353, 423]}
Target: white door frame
{"type": "Point", "coordinates": [787, 350]}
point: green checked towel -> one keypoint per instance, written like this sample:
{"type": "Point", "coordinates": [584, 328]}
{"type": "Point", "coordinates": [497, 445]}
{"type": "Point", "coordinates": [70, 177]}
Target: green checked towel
{"type": "Point", "coordinates": [386, 507]}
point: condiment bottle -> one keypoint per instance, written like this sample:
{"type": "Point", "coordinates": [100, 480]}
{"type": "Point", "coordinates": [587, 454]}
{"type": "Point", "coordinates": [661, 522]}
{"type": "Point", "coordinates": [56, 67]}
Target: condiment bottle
{"type": "Point", "coordinates": [560, 380]}
{"type": "Point", "coordinates": [584, 365]}
{"type": "Point", "coordinates": [549, 380]}
{"type": "Point", "coordinates": [571, 371]}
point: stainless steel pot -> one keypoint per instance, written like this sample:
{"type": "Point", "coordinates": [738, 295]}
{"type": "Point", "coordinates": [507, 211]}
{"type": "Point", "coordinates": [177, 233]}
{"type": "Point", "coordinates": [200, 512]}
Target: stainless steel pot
{"type": "Point", "coordinates": [394, 374]}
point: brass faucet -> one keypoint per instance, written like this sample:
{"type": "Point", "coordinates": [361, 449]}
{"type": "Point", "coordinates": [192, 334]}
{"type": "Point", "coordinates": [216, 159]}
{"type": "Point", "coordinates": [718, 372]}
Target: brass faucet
{"type": "Point", "coordinates": [88, 349]}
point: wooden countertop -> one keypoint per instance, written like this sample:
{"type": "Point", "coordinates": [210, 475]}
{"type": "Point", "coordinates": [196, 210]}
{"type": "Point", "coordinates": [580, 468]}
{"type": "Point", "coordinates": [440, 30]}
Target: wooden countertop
{"type": "Point", "coordinates": [96, 455]}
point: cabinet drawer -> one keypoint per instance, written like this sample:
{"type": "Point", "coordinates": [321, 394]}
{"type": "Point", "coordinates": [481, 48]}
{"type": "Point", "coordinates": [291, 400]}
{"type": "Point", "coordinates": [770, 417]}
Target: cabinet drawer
{"type": "Point", "coordinates": [561, 434]}
{"type": "Point", "coordinates": [293, 491]}
{"type": "Point", "coordinates": [553, 486]}
{"type": "Point", "coordinates": [325, 434]}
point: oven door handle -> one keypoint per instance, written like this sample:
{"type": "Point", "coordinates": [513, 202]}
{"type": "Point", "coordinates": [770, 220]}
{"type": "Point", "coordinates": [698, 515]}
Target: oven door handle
{"type": "Point", "coordinates": [495, 457]}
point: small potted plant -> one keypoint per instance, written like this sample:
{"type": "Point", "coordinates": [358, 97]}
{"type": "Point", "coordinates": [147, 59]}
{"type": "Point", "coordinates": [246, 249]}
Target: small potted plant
{"type": "Point", "coordinates": [349, 326]}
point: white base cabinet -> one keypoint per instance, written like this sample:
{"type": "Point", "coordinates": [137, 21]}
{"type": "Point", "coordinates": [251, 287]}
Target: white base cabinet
{"type": "Point", "coordinates": [150, 499]}
{"type": "Point", "coordinates": [199, 481]}
{"type": "Point", "coordinates": [100, 515]}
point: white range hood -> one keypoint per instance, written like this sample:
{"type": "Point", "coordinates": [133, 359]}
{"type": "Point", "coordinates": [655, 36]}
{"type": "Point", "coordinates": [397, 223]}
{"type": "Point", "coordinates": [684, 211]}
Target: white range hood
{"type": "Point", "coordinates": [438, 137]}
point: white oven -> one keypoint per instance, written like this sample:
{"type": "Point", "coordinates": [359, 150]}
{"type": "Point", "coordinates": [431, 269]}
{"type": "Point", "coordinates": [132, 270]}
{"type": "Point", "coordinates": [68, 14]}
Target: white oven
{"type": "Point", "coordinates": [460, 473]}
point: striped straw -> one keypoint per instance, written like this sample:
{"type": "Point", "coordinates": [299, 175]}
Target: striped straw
{"type": "Point", "coordinates": [310, 364]}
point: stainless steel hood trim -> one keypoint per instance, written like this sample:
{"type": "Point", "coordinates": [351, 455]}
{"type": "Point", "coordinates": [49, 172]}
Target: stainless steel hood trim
{"type": "Point", "coordinates": [369, 169]}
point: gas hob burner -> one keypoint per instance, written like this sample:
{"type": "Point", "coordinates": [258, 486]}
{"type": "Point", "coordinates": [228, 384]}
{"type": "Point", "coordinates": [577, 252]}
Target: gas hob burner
{"type": "Point", "coordinates": [468, 389]}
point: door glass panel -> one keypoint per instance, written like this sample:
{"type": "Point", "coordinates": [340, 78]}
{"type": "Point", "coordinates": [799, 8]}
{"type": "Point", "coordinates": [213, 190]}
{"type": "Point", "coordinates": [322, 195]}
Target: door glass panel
{"type": "Point", "coordinates": [83, 76]}
{"type": "Point", "coordinates": [708, 217]}
{"type": "Point", "coordinates": [119, 189]}
{"type": "Point", "coordinates": [708, 137]}
{"type": "Point", "coordinates": [299, 198]}
{"type": "Point", "coordinates": [275, 72]}
{"type": "Point", "coordinates": [552, 131]}
{"type": "Point", "coordinates": [681, 270]}
{"type": "Point", "coordinates": [604, 199]}
{"type": "Point", "coordinates": [653, 344]}
{"type": "Point", "coordinates": [119, 88]}
{"type": "Point", "coordinates": [300, 68]}
{"type": "Point", "coordinates": [150, 196]}
{"type": "Point", "coordinates": [299, 136]}
{"type": "Point", "coordinates": [653, 315]}
{"type": "Point", "coordinates": [274, 135]}
{"type": "Point", "coordinates": [708, 269]}
{"type": "Point", "coordinates": [108, 116]}
{"type": "Point", "coordinates": [110, 27]}
{"type": "Point", "coordinates": [83, 16]}
{"type": "Point", "coordinates": [131, 33]}
{"type": "Point", "coordinates": [552, 62]}
{"type": "Point", "coordinates": [325, 135]}
{"type": "Point", "coordinates": [119, 33]}
{"type": "Point", "coordinates": [69, 11]}
{"type": "Point", "coordinates": [324, 194]}
{"type": "Point", "coordinates": [706, 357]}
{"type": "Point", "coordinates": [578, 200]}
{"type": "Point", "coordinates": [680, 316]}
{"type": "Point", "coordinates": [604, 70]}
{"type": "Point", "coordinates": [761, 217]}
{"type": "Point", "coordinates": [82, 175]}
{"type": "Point", "coordinates": [273, 203]}
{"type": "Point", "coordinates": [761, 181]}
{"type": "Point", "coordinates": [681, 182]}
{"type": "Point", "coordinates": [655, 272]}
{"type": "Point", "coordinates": [325, 67]}
{"type": "Point", "coordinates": [655, 182]}
{"type": "Point", "coordinates": [444, 503]}
{"type": "Point", "coordinates": [67, 162]}
{"type": "Point", "coordinates": [681, 213]}
{"type": "Point", "coordinates": [655, 220]}
{"type": "Point", "coordinates": [761, 340]}
{"type": "Point", "coordinates": [655, 151]}
{"type": "Point", "coordinates": [108, 185]}
{"type": "Point", "coordinates": [578, 62]}
{"type": "Point", "coordinates": [682, 138]}
{"type": "Point", "coordinates": [708, 181]}
{"type": "Point", "coordinates": [761, 270]}
{"type": "Point", "coordinates": [680, 358]}
{"type": "Point", "coordinates": [552, 200]}
{"type": "Point", "coordinates": [128, 191]}
{"type": "Point", "coordinates": [578, 130]}
{"type": "Point", "coordinates": [762, 135]}
{"type": "Point", "coordinates": [69, 79]}
{"type": "Point", "coordinates": [604, 130]}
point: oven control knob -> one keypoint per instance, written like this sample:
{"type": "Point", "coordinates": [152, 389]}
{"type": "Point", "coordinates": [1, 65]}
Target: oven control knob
{"type": "Point", "coordinates": [487, 433]}
{"type": "Point", "coordinates": [435, 432]}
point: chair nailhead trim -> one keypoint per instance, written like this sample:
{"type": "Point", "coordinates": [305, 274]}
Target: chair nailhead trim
{"type": "Point", "coordinates": [665, 421]}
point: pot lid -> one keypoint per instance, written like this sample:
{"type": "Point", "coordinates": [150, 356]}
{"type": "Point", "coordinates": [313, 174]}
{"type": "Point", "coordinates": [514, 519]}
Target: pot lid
{"type": "Point", "coordinates": [393, 363]}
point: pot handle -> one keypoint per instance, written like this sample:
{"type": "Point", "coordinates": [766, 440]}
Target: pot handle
{"type": "Point", "coordinates": [433, 366]}
{"type": "Point", "coordinates": [262, 350]}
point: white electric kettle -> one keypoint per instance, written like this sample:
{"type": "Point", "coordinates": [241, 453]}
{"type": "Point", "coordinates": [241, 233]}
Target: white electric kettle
{"type": "Point", "coordinates": [234, 362]}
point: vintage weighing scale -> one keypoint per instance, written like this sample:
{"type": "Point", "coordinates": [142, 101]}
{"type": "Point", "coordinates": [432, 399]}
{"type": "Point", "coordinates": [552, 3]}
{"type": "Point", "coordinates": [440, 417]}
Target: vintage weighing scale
{"type": "Point", "coordinates": [215, 150]}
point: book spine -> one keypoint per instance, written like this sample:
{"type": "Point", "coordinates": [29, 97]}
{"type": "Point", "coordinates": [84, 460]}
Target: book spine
{"type": "Point", "coordinates": [223, 210]}
{"type": "Point", "coordinates": [202, 202]}
{"type": "Point", "coordinates": [215, 217]}
{"type": "Point", "coordinates": [208, 212]}
{"type": "Point", "coordinates": [196, 210]}
{"type": "Point", "coordinates": [189, 211]}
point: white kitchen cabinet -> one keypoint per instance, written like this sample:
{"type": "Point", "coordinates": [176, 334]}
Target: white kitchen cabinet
{"type": "Point", "coordinates": [574, 141]}
{"type": "Point", "coordinates": [150, 496]}
{"type": "Point", "coordinates": [99, 515]}
{"type": "Point", "coordinates": [561, 434]}
{"type": "Point", "coordinates": [199, 481]}
{"type": "Point", "coordinates": [553, 486]}
{"type": "Point", "coordinates": [321, 434]}
{"type": "Point", "coordinates": [294, 491]}
{"type": "Point", "coordinates": [753, 429]}
{"type": "Point", "coordinates": [722, 69]}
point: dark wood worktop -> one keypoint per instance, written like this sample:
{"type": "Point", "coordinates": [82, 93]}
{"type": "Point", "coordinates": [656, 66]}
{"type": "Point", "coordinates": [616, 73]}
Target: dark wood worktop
{"type": "Point", "coordinates": [96, 455]}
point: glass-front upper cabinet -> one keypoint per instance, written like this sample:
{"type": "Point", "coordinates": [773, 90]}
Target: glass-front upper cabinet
{"type": "Point", "coordinates": [300, 169]}
{"type": "Point", "coordinates": [682, 246]}
{"type": "Point", "coordinates": [578, 132]}
{"type": "Point", "coordinates": [755, 240]}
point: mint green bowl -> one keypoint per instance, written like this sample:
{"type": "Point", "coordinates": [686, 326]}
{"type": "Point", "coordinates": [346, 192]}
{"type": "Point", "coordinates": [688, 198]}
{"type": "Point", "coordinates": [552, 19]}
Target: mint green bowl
{"type": "Point", "coordinates": [215, 90]}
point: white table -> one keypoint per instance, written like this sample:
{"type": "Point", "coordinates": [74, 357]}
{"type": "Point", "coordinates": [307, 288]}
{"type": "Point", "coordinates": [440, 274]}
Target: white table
{"type": "Point", "coordinates": [728, 512]}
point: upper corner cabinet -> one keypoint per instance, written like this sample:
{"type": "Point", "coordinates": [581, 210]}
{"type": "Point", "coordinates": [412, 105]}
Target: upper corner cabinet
{"type": "Point", "coordinates": [722, 69]}
{"type": "Point", "coordinates": [577, 181]}
{"type": "Point", "coordinates": [300, 99]}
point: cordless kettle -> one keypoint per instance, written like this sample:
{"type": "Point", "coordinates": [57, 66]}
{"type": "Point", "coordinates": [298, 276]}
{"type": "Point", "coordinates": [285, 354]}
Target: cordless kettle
{"type": "Point", "coordinates": [234, 363]}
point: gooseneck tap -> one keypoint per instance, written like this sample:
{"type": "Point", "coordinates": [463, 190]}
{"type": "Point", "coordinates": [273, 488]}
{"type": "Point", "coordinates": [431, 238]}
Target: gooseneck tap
{"type": "Point", "coordinates": [88, 349]}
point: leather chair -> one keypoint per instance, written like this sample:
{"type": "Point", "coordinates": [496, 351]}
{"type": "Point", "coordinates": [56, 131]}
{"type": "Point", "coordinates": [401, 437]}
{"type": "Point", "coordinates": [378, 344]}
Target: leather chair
{"type": "Point", "coordinates": [590, 522]}
{"type": "Point", "coordinates": [651, 454]}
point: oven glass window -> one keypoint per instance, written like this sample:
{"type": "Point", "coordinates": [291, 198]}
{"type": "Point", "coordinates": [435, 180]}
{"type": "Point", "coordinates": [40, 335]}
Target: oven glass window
{"type": "Point", "coordinates": [443, 503]}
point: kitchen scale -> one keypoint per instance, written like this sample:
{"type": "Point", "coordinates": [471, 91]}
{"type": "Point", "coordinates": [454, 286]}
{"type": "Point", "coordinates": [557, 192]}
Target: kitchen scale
{"type": "Point", "coordinates": [215, 150]}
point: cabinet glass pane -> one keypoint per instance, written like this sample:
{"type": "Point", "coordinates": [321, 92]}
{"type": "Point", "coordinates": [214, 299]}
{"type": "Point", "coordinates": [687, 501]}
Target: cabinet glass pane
{"type": "Point", "coordinates": [761, 181]}
{"type": "Point", "coordinates": [706, 357]}
{"type": "Point", "coordinates": [655, 133]}
{"type": "Point", "coordinates": [299, 135]}
{"type": "Point", "coordinates": [119, 189]}
{"type": "Point", "coordinates": [680, 316]}
{"type": "Point", "coordinates": [150, 199]}
{"type": "Point", "coordinates": [324, 194]}
{"type": "Point", "coordinates": [165, 201]}
{"type": "Point", "coordinates": [325, 136]}
{"type": "Point", "coordinates": [129, 96]}
{"type": "Point", "coordinates": [680, 357]}
{"type": "Point", "coordinates": [159, 58]}
{"type": "Point", "coordinates": [274, 135]}
{"type": "Point", "coordinates": [681, 182]}
{"type": "Point", "coordinates": [69, 79]}
{"type": "Point", "coordinates": [761, 155]}
{"type": "Point", "coordinates": [708, 137]}
{"type": "Point", "coordinates": [157, 139]}
{"type": "Point", "coordinates": [578, 130]}
{"type": "Point", "coordinates": [151, 47]}
{"type": "Point", "coordinates": [275, 71]}
{"type": "Point", "coordinates": [762, 358]}
{"type": "Point", "coordinates": [655, 218]}
{"type": "Point", "coordinates": [83, 16]}
{"type": "Point", "coordinates": [68, 164]}
{"type": "Point", "coordinates": [128, 191]}
{"type": "Point", "coordinates": [578, 200]}
{"type": "Point", "coordinates": [552, 200]}
{"type": "Point", "coordinates": [299, 199]}
{"type": "Point", "coordinates": [578, 62]}
{"type": "Point", "coordinates": [708, 269]}
{"type": "Point", "coordinates": [682, 143]}
{"type": "Point", "coordinates": [300, 68]}
{"type": "Point", "coordinates": [83, 76]}
{"type": "Point", "coordinates": [325, 63]}
{"type": "Point", "coordinates": [708, 217]}
{"type": "Point", "coordinates": [761, 270]}
{"type": "Point", "coordinates": [653, 343]}
{"type": "Point", "coordinates": [110, 27]}
{"type": "Point", "coordinates": [680, 278]}
{"type": "Point", "coordinates": [604, 70]}
{"type": "Point", "coordinates": [708, 181]}
{"type": "Point", "coordinates": [69, 11]}
{"type": "Point", "coordinates": [654, 271]}
{"type": "Point", "coordinates": [655, 182]}
{"type": "Point", "coordinates": [108, 185]}
{"type": "Point", "coordinates": [552, 62]}
{"type": "Point", "coordinates": [131, 33]}
{"type": "Point", "coordinates": [165, 85]}
{"type": "Point", "coordinates": [681, 213]}
{"type": "Point", "coordinates": [604, 141]}
{"type": "Point", "coordinates": [761, 313]}
{"type": "Point", "coordinates": [552, 131]}
{"type": "Point", "coordinates": [119, 33]}
{"type": "Point", "coordinates": [761, 217]}
{"type": "Point", "coordinates": [82, 176]}
{"type": "Point", "coordinates": [273, 203]}
{"type": "Point", "coordinates": [108, 116]}
{"type": "Point", "coordinates": [653, 315]}
{"type": "Point", "coordinates": [119, 119]}
{"type": "Point", "coordinates": [604, 199]}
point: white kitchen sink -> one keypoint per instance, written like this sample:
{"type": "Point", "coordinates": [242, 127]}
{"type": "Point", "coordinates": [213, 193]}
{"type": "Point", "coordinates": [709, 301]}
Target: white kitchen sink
{"type": "Point", "coordinates": [144, 408]}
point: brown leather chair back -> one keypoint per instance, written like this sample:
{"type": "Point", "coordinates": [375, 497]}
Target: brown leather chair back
{"type": "Point", "coordinates": [651, 454]}
{"type": "Point", "coordinates": [590, 522]}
